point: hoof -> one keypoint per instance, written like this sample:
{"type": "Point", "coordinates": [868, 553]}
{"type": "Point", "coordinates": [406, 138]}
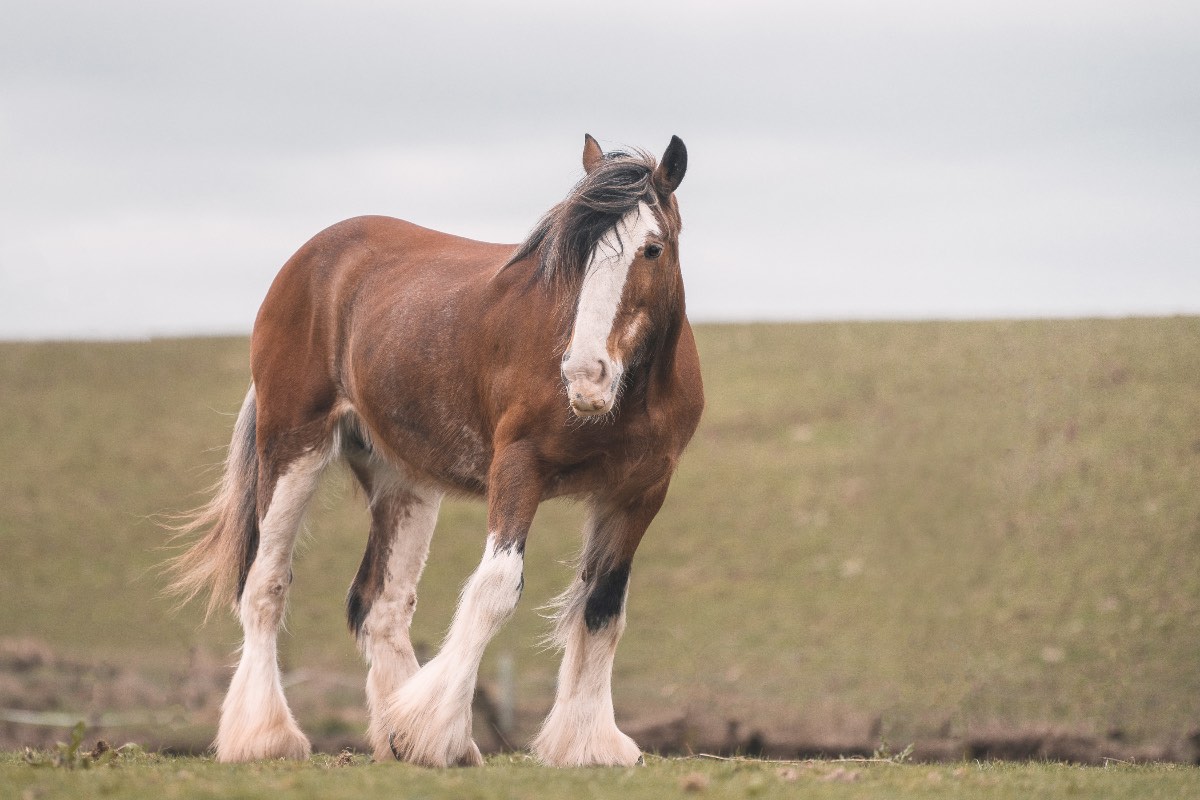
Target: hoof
{"type": "Point", "coordinates": [283, 739]}
{"type": "Point", "coordinates": [428, 721]}
{"type": "Point", "coordinates": [561, 746]}
{"type": "Point", "coordinates": [396, 748]}
{"type": "Point", "coordinates": [471, 758]}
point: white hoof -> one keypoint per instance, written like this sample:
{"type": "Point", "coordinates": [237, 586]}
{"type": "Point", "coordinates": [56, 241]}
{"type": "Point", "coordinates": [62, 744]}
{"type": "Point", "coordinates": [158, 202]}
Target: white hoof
{"type": "Point", "coordinates": [472, 758]}
{"type": "Point", "coordinates": [561, 744]}
{"type": "Point", "coordinates": [279, 737]}
{"type": "Point", "coordinates": [403, 748]}
{"type": "Point", "coordinates": [428, 723]}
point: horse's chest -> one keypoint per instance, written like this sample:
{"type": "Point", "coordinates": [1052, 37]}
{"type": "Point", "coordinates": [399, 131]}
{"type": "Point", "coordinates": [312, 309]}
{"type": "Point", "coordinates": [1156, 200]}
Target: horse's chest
{"type": "Point", "coordinates": [637, 456]}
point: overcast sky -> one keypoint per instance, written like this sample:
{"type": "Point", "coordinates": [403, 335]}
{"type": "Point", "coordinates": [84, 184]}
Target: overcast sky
{"type": "Point", "coordinates": [160, 161]}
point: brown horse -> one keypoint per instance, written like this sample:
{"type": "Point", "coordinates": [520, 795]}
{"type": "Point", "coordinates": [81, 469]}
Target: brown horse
{"type": "Point", "coordinates": [564, 366]}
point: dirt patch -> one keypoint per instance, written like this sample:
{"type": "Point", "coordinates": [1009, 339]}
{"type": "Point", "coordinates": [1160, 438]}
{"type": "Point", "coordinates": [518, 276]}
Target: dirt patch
{"type": "Point", "coordinates": [686, 734]}
{"type": "Point", "coordinates": [43, 694]}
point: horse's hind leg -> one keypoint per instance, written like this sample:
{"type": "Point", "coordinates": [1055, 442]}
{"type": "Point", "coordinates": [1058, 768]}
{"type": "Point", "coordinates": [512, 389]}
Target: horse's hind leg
{"type": "Point", "coordinates": [581, 729]}
{"type": "Point", "coordinates": [383, 597]}
{"type": "Point", "coordinates": [256, 722]}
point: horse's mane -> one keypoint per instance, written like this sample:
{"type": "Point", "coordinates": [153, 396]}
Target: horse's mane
{"type": "Point", "coordinates": [571, 230]}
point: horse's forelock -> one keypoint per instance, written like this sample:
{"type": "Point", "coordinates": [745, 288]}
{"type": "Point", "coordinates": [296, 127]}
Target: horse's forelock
{"type": "Point", "coordinates": [570, 231]}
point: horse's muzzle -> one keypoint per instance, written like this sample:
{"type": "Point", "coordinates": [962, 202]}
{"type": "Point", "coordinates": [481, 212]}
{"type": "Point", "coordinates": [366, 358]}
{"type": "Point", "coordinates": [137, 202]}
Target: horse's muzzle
{"type": "Point", "coordinates": [591, 385]}
{"type": "Point", "coordinates": [589, 399]}
{"type": "Point", "coordinates": [590, 402]}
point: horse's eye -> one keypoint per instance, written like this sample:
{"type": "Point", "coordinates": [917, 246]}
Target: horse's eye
{"type": "Point", "coordinates": [653, 250]}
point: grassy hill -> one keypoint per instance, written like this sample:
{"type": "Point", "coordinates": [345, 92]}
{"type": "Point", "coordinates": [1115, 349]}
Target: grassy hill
{"type": "Point", "coordinates": [897, 531]}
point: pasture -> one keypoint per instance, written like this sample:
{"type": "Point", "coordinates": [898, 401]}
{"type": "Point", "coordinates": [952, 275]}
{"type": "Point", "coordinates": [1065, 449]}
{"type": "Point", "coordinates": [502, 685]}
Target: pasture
{"type": "Point", "coordinates": [151, 776]}
{"type": "Point", "coordinates": [979, 538]}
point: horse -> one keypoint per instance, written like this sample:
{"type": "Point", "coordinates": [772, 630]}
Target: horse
{"type": "Point", "coordinates": [431, 364]}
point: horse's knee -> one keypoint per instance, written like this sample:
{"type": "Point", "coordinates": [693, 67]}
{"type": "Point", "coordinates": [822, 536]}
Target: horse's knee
{"type": "Point", "coordinates": [495, 587]}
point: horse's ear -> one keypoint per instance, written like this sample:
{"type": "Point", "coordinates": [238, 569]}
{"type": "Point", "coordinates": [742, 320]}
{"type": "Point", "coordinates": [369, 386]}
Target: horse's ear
{"type": "Point", "coordinates": [671, 167]}
{"type": "Point", "coordinates": [592, 154]}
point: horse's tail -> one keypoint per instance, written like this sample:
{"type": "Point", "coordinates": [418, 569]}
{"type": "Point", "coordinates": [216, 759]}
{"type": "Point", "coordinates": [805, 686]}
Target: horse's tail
{"type": "Point", "coordinates": [220, 559]}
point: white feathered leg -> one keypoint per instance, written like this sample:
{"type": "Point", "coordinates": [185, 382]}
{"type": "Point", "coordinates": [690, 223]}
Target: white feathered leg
{"type": "Point", "coordinates": [384, 632]}
{"type": "Point", "coordinates": [429, 718]}
{"type": "Point", "coordinates": [581, 729]}
{"type": "Point", "coordinates": [256, 722]}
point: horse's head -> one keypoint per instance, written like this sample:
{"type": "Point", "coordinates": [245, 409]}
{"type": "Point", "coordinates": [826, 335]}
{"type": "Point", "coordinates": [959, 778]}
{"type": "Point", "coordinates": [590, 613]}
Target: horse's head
{"type": "Point", "coordinates": [622, 222]}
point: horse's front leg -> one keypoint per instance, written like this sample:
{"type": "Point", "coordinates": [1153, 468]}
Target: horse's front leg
{"type": "Point", "coordinates": [430, 716]}
{"type": "Point", "coordinates": [581, 729]}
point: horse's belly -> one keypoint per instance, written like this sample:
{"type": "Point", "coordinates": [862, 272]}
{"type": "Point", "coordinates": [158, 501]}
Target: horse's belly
{"type": "Point", "coordinates": [452, 455]}
{"type": "Point", "coordinates": [462, 461]}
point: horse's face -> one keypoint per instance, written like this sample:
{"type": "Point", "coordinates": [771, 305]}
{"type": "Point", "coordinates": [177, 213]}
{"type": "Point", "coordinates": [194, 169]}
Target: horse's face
{"type": "Point", "coordinates": [631, 284]}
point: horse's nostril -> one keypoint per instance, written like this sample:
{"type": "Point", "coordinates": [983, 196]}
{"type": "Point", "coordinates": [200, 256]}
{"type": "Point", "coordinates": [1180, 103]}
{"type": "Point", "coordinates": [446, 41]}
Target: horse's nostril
{"type": "Point", "coordinates": [603, 371]}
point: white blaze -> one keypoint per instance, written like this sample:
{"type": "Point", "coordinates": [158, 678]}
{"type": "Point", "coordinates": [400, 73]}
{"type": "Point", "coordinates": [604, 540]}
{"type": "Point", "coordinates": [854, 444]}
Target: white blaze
{"type": "Point", "coordinates": [600, 296]}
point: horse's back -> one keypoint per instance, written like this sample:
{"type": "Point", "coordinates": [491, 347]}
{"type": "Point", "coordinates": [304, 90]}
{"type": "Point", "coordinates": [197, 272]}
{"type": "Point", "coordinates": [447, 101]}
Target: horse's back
{"type": "Point", "coordinates": [363, 262]}
{"type": "Point", "coordinates": [372, 248]}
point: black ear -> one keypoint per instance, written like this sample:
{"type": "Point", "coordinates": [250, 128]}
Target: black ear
{"type": "Point", "coordinates": [671, 167]}
{"type": "Point", "coordinates": [592, 154]}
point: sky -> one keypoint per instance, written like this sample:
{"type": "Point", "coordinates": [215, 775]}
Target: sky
{"type": "Point", "coordinates": [847, 160]}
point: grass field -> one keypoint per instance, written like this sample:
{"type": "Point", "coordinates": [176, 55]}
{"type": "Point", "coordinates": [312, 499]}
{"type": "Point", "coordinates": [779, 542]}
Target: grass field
{"type": "Point", "coordinates": [151, 776]}
{"type": "Point", "coordinates": [900, 532]}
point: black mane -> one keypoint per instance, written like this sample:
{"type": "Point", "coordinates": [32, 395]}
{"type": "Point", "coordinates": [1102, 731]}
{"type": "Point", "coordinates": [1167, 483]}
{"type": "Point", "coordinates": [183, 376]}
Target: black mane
{"type": "Point", "coordinates": [571, 230]}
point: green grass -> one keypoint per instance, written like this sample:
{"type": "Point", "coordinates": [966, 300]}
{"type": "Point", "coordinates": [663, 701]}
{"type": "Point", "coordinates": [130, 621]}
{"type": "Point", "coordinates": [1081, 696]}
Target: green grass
{"type": "Point", "coordinates": [151, 776]}
{"type": "Point", "coordinates": [931, 528]}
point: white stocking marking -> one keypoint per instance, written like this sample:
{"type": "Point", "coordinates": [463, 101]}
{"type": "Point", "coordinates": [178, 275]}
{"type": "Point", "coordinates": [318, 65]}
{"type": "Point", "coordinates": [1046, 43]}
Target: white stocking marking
{"type": "Point", "coordinates": [430, 717]}
{"type": "Point", "coordinates": [581, 729]}
{"type": "Point", "coordinates": [385, 633]}
{"type": "Point", "coordinates": [256, 722]}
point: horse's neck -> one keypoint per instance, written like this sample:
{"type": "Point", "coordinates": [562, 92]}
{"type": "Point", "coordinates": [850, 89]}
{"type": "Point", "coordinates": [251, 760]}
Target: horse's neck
{"type": "Point", "coordinates": [661, 365]}
{"type": "Point", "coordinates": [654, 374]}
{"type": "Point", "coordinates": [548, 307]}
